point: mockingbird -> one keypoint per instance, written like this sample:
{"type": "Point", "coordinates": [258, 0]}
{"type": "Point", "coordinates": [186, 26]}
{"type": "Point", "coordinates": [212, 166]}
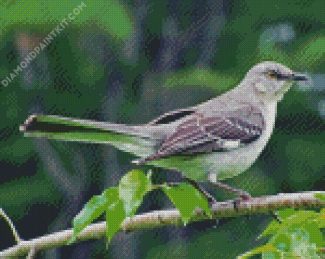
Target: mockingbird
{"type": "Point", "coordinates": [215, 140]}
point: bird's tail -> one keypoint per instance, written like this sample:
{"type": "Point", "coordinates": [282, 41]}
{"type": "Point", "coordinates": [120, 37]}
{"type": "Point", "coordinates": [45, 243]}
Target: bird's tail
{"type": "Point", "coordinates": [133, 139]}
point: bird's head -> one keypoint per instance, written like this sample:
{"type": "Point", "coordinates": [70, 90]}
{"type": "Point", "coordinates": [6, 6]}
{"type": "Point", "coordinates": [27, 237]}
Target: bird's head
{"type": "Point", "coordinates": [272, 80]}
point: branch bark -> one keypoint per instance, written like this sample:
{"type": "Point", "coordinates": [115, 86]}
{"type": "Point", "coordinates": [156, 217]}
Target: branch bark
{"type": "Point", "coordinates": [171, 217]}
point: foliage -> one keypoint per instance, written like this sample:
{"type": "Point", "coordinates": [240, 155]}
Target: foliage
{"type": "Point", "coordinates": [123, 201]}
{"type": "Point", "coordinates": [110, 15]}
{"type": "Point", "coordinates": [186, 199]}
{"type": "Point", "coordinates": [296, 234]}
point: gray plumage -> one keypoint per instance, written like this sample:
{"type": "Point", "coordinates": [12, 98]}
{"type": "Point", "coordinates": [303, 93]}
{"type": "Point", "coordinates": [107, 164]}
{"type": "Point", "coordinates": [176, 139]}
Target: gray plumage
{"type": "Point", "coordinates": [218, 138]}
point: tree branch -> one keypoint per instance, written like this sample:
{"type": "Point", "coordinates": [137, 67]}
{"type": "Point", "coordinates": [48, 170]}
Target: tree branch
{"type": "Point", "coordinates": [171, 217]}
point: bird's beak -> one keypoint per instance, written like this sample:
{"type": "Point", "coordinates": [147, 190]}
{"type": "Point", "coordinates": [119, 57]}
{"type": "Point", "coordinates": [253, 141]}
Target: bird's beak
{"type": "Point", "coordinates": [292, 77]}
{"type": "Point", "coordinates": [298, 77]}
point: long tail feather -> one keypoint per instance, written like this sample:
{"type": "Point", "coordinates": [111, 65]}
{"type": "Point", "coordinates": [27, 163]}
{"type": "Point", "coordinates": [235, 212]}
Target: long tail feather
{"type": "Point", "coordinates": [127, 138]}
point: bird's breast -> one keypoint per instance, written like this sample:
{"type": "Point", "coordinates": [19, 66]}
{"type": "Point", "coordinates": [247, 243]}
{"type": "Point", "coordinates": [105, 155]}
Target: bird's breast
{"type": "Point", "coordinates": [233, 162]}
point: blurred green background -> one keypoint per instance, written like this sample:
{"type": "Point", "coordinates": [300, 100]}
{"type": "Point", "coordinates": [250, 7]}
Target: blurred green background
{"type": "Point", "coordinates": [129, 61]}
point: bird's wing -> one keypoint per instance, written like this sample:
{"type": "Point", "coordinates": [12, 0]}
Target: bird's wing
{"type": "Point", "coordinates": [172, 116]}
{"type": "Point", "coordinates": [202, 133]}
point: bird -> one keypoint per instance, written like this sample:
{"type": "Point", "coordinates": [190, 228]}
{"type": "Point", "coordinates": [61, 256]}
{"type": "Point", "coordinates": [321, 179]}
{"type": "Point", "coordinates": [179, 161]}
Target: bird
{"type": "Point", "coordinates": [212, 141]}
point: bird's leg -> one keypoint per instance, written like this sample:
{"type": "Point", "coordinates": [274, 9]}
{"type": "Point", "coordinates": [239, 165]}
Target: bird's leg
{"type": "Point", "coordinates": [243, 195]}
{"type": "Point", "coordinates": [197, 186]}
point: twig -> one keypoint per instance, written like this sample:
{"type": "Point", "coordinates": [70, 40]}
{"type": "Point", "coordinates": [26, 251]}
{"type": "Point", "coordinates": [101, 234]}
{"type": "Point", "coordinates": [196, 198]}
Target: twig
{"type": "Point", "coordinates": [171, 217]}
{"type": "Point", "coordinates": [11, 225]}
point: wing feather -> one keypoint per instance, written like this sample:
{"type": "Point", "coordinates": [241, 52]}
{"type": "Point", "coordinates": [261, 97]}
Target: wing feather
{"type": "Point", "coordinates": [221, 132]}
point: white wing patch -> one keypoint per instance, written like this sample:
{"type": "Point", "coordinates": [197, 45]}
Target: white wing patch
{"type": "Point", "coordinates": [230, 144]}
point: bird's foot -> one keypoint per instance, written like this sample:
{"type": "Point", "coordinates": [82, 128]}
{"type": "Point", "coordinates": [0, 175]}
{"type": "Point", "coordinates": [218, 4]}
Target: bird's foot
{"type": "Point", "coordinates": [211, 200]}
{"type": "Point", "coordinates": [243, 196]}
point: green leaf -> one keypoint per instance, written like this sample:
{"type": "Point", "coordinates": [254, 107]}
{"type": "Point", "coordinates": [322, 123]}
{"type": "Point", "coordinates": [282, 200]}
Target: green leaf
{"type": "Point", "coordinates": [186, 199]}
{"type": "Point", "coordinates": [304, 241]}
{"type": "Point", "coordinates": [115, 215]}
{"type": "Point", "coordinates": [132, 188]}
{"type": "Point", "coordinates": [271, 229]}
{"type": "Point", "coordinates": [301, 217]}
{"type": "Point", "coordinates": [299, 240]}
{"type": "Point", "coordinates": [94, 208]}
{"type": "Point", "coordinates": [285, 213]}
{"type": "Point", "coordinates": [111, 15]}
{"type": "Point", "coordinates": [321, 219]}
{"type": "Point", "coordinates": [281, 241]}
{"type": "Point", "coordinates": [258, 250]}
{"type": "Point", "coordinates": [315, 236]}
{"type": "Point", "coordinates": [297, 236]}
{"type": "Point", "coordinates": [320, 196]}
{"type": "Point", "coordinates": [277, 255]}
{"type": "Point", "coordinates": [118, 203]}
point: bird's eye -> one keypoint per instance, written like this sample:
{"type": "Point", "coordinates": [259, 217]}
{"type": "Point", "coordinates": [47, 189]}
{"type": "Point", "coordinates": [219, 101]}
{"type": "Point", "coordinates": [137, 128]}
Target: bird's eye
{"type": "Point", "coordinates": [272, 74]}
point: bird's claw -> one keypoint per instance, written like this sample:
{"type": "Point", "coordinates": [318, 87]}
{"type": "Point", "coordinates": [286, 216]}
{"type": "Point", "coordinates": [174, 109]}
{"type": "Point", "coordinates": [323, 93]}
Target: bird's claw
{"type": "Point", "coordinates": [211, 200]}
{"type": "Point", "coordinates": [242, 197]}
{"type": "Point", "coordinates": [245, 196]}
